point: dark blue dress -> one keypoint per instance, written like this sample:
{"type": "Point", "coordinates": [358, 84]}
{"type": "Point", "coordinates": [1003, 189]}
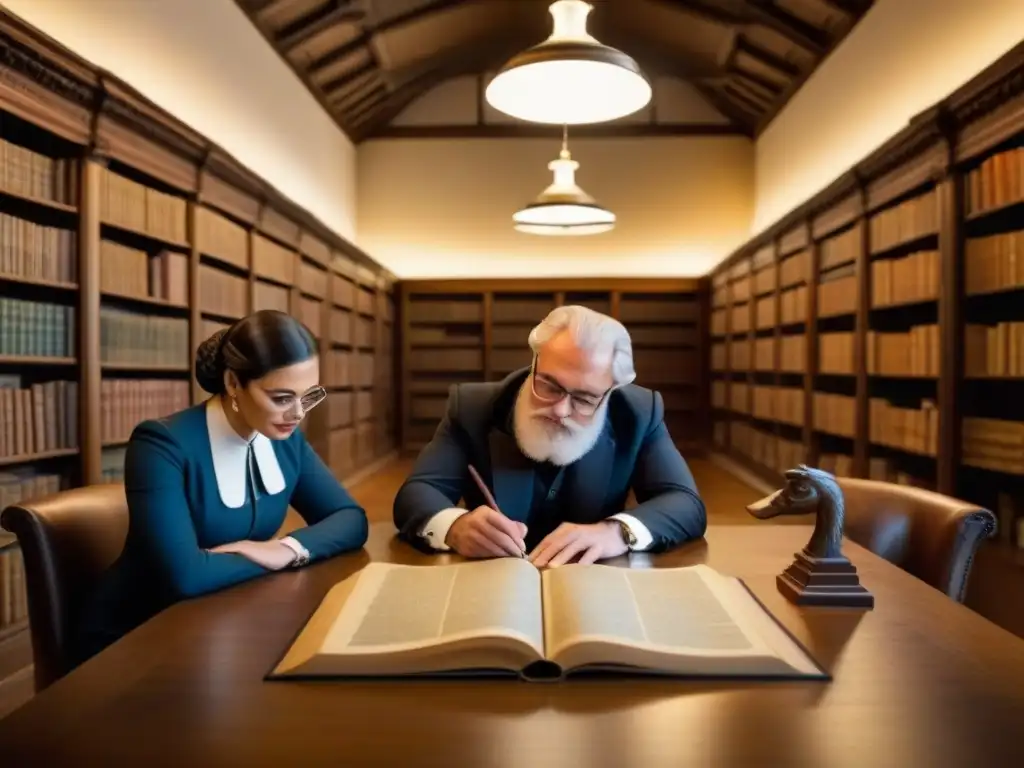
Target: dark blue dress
{"type": "Point", "coordinates": [192, 484]}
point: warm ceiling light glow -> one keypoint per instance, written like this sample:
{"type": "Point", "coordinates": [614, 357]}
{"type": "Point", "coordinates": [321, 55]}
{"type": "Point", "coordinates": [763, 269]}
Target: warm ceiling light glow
{"type": "Point", "coordinates": [570, 78]}
{"type": "Point", "coordinates": [563, 208]}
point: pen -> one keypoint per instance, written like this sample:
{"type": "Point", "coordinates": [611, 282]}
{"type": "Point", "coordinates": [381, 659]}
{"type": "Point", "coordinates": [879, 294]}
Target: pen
{"type": "Point", "coordinates": [487, 494]}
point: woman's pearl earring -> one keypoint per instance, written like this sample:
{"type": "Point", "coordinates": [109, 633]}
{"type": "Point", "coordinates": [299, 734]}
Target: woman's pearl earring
{"type": "Point", "coordinates": [234, 405]}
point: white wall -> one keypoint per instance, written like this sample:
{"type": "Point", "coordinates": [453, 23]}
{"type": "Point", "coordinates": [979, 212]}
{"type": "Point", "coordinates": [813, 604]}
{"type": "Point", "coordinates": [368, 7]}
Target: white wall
{"type": "Point", "coordinates": [434, 208]}
{"type": "Point", "coordinates": [901, 58]}
{"type": "Point", "coordinates": [205, 63]}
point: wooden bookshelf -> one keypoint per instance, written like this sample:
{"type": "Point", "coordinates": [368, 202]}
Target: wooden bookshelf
{"type": "Point", "coordinates": [477, 330]}
{"type": "Point", "coordinates": [875, 331]}
{"type": "Point", "coordinates": [125, 240]}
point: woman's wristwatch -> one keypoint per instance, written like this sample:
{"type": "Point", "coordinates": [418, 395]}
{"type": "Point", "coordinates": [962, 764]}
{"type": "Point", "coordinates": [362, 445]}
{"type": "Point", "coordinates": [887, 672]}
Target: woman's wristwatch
{"type": "Point", "coordinates": [301, 553]}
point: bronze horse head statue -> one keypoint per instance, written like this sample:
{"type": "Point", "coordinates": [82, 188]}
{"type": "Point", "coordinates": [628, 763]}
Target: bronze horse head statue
{"type": "Point", "coordinates": [809, 490]}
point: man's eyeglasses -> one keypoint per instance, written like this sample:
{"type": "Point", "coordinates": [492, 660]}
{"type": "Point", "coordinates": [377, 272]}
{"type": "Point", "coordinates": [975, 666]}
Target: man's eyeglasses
{"type": "Point", "coordinates": [550, 392]}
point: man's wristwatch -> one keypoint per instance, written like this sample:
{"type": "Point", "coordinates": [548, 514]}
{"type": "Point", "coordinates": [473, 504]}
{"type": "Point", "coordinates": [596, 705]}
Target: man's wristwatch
{"type": "Point", "coordinates": [627, 535]}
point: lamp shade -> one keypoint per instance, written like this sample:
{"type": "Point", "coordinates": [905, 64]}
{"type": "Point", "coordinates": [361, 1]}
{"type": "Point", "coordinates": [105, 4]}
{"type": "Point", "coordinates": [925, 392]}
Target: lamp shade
{"type": "Point", "coordinates": [570, 78]}
{"type": "Point", "coordinates": [563, 208]}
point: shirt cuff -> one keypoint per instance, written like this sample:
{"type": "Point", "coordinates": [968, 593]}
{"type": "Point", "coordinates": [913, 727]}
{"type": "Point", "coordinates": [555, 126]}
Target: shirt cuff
{"type": "Point", "coordinates": [301, 553]}
{"type": "Point", "coordinates": [435, 530]}
{"type": "Point", "coordinates": [638, 529]}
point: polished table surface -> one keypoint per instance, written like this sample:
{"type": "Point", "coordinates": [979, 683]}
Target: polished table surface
{"type": "Point", "coordinates": [918, 681]}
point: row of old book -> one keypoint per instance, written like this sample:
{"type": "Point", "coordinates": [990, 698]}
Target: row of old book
{"type": "Point", "coordinates": [37, 252]}
{"type": "Point", "coordinates": [133, 272]}
{"type": "Point", "coordinates": [914, 430]}
{"type": "Point", "coordinates": [840, 249]}
{"type": "Point", "coordinates": [996, 444]}
{"type": "Point", "coordinates": [355, 446]}
{"type": "Point", "coordinates": [994, 262]}
{"type": "Point", "coordinates": [349, 369]}
{"type": "Point", "coordinates": [131, 338]}
{"type": "Point", "coordinates": [273, 261]}
{"type": "Point", "coordinates": [222, 293]}
{"type": "Point", "coordinates": [219, 236]}
{"type": "Point", "coordinates": [906, 280]}
{"type": "Point", "coordinates": [779, 454]}
{"type": "Point", "coordinates": [27, 173]}
{"type": "Point", "coordinates": [126, 402]}
{"type": "Point", "coordinates": [764, 448]}
{"type": "Point", "coordinates": [994, 350]}
{"type": "Point", "coordinates": [835, 352]}
{"type": "Point", "coordinates": [785, 404]}
{"type": "Point", "coordinates": [997, 181]}
{"type": "Point", "coordinates": [130, 205]}
{"type": "Point", "coordinates": [906, 221]}
{"type": "Point", "coordinates": [837, 292]}
{"type": "Point", "coordinates": [15, 486]}
{"type": "Point", "coordinates": [909, 429]}
{"type": "Point", "coordinates": [834, 414]}
{"type": "Point", "coordinates": [36, 328]}
{"type": "Point", "coordinates": [904, 353]}
{"type": "Point", "coordinates": [13, 597]}
{"type": "Point", "coordinates": [37, 418]}
{"type": "Point", "coordinates": [270, 296]}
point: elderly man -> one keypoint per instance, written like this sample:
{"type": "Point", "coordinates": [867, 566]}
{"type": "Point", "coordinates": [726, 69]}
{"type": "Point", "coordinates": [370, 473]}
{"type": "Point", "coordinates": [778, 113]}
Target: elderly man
{"type": "Point", "coordinates": [560, 444]}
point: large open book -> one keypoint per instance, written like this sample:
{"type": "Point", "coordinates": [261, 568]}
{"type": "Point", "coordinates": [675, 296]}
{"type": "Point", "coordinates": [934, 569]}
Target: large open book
{"type": "Point", "coordinates": [505, 615]}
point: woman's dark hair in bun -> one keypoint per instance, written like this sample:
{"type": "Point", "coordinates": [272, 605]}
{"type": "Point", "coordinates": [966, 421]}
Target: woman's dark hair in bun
{"type": "Point", "coordinates": [253, 347]}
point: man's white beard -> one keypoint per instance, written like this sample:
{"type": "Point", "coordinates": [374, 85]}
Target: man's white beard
{"type": "Point", "coordinates": [542, 440]}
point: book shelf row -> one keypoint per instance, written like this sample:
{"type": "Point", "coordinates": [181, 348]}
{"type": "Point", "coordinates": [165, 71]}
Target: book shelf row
{"type": "Point", "coordinates": [877, 327]}
{"type": "Point", "coordinates": [126, 239]}
{"type": "Point", "coordinates": [455, 331]}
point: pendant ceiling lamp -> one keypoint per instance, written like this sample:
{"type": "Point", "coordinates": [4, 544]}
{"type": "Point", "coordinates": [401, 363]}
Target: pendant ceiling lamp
{"type": "Point", "coordinates": [563, 208]}
{"type": "Point", "coordinates": [570, 78]}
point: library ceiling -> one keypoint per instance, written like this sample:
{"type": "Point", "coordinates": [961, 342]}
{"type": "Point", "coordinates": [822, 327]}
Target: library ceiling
{"type": "Point", "coordinates": [367, 60]}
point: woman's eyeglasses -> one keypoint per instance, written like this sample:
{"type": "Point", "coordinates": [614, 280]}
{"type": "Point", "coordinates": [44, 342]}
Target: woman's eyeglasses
{"type": "Point", "coordinates": [307, 401]}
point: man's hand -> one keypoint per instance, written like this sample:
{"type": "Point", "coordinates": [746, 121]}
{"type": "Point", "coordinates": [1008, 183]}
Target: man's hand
{"type": "Point", "coordinates": [593, 542]}
{"type": "Point", "coordinates": [485, 532]}
{"type": "Point", "coordinates": [272, 555]}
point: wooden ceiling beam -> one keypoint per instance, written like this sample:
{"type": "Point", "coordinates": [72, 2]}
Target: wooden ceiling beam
{"type": "Point", "coordinates": [474, 57]}
{"type": "Point", "coordinates": [743, 122]}
{"type": "Point", "coordinates": [317, 21]}
{"type": "Point", "coordinates": [761, 13]}
{"type": "Point", "coordinates": [340, 83]}
{"type": "Point", "coordinates": [409, 17]}
{"type": "Point", "coordinates": [793, 28]}
{"type": "Point", "coordinates": [769, 59]}
{"type": "Point", "coordinates": [259, 6]}
{"type": "Point", "coordinates": [855, 8]}
{"type": "Point", "coordinates": [769, 86]}
{"type": "Point", "coordinates": [754, 106]}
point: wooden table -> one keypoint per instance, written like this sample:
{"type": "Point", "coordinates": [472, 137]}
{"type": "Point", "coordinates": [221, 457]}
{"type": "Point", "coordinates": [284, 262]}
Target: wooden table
{"type": "Point", "coordinates": [919, 681]}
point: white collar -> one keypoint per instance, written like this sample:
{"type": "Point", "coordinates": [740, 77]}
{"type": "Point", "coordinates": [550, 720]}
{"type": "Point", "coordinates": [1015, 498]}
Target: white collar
{"type": "Point", "coordinates": [230, 452]}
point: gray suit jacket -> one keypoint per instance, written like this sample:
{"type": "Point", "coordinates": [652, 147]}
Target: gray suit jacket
{"type": "Point", "coordinates": [634, 452]}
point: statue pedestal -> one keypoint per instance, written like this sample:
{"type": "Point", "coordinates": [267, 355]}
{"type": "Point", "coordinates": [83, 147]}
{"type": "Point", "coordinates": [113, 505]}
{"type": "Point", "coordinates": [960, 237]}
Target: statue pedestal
{"type": "Point", "coordinates": [826, 582]}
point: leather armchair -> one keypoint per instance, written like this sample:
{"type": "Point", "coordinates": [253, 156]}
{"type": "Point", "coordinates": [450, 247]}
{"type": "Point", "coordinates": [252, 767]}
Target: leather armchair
{"type": "Point", "coordinates": [67, 539]}
{"type": "Point", "coordinates": [931, 536]}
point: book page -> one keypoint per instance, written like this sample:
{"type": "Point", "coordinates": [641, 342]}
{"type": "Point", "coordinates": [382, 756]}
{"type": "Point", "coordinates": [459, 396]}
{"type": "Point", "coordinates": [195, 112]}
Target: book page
{"type": "Point", "coordinates": [691, 612]}
{"type": "Point", "coordinates": [393, 609]}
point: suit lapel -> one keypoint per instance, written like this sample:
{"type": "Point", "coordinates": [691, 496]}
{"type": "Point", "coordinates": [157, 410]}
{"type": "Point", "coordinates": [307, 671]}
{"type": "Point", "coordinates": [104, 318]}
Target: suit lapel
{"type": "Point", "coordinates": [589, 478]}
{"type": "Point", "coordinates": [512, 476]}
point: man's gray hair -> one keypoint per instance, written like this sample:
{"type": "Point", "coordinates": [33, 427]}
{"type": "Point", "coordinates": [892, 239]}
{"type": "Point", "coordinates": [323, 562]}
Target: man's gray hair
{"type": "Point", "coordinates": [592, 331]}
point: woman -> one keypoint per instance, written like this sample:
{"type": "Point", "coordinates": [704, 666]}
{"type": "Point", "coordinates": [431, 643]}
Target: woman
{"type": "Point", "coordinates": [208, 487]}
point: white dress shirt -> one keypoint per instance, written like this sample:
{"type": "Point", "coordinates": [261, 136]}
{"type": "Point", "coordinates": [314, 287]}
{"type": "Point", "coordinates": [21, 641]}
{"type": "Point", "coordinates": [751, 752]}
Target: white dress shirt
{"type": "Point", "coordinates": [435, 530]}
{"type": "Point", "coordinates": [231, 465]}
